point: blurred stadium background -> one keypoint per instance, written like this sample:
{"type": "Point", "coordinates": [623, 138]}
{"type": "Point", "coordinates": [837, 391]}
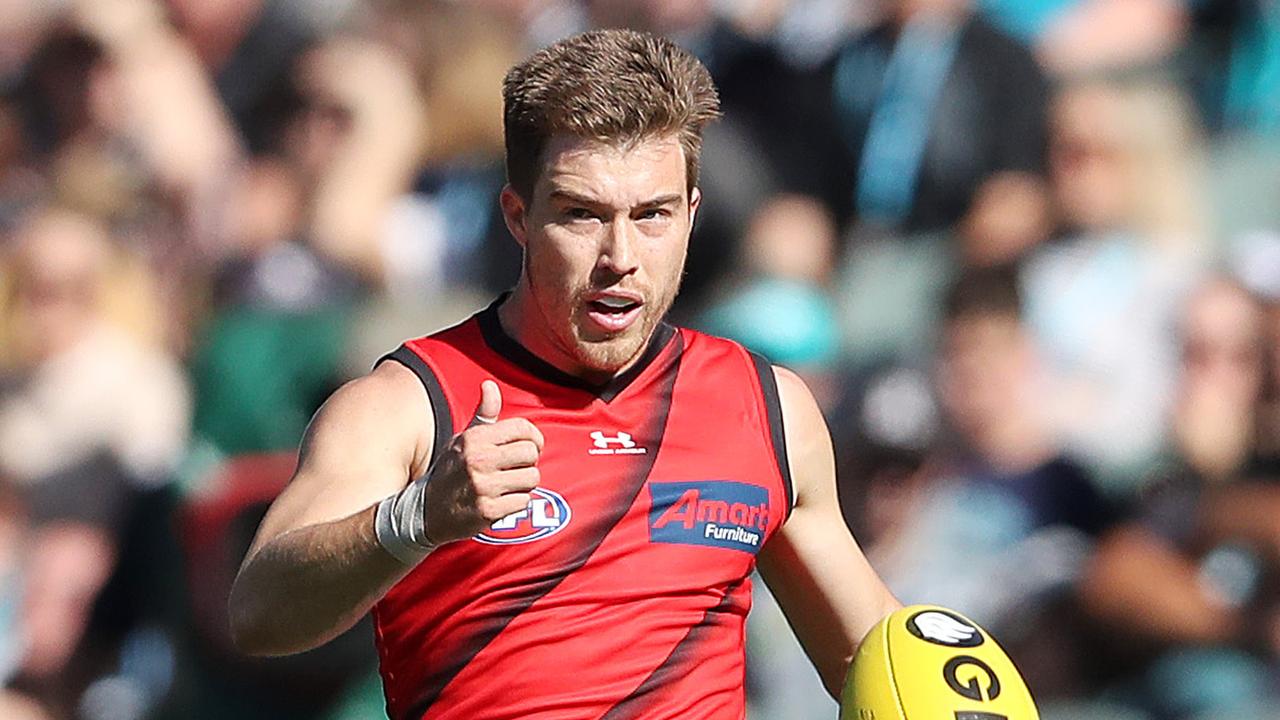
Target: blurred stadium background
{"type": "Point", "coordinates": [1027, 252]}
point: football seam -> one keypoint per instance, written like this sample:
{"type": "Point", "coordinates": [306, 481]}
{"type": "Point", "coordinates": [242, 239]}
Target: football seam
{"type": "Point", "coordinates": [893, 671]}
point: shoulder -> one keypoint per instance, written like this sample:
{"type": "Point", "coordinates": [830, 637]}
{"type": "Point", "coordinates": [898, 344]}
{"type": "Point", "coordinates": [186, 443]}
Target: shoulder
{"type": "Point", "coordinates": [782, 388]}
{"type": "Point", "coordinates": [809, 453]}
{"type": "Point", "coordinates": [704, 345]}
{"type": "Point", "coordinates": [390, 385]}
{"type": "Point", "coordinates": [799, 408]}
{"type": "Point", "coordinates": [388, 408]}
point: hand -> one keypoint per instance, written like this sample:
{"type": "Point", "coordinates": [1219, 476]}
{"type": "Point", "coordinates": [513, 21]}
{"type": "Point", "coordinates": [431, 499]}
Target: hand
{"type": "Point", "coordinates": [368, 80]}
{"type": "Point", "coordinates": [485, 474]}
{"type": "Point", "coordinates": [117, 23]}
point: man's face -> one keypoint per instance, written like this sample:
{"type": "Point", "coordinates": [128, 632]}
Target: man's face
{"type": "Point", "coordinates": [984, 371]}
{"type": "Point", "coordinates": [605, 234]}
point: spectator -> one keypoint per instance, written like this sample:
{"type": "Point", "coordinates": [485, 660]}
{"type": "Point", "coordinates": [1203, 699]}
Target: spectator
{"type": "Point", "coordinates": [931, 120]}
{"type": "Point", "coordinates": [248, 46]}
{"type": "Point", "coordinates": [82, 383]}
{"type": "Point", "coordinates": [139, 63]}
{"type": "Point", "coordinates": [90, 416]}
{"type": "Point", "coordinates": [444, 233]}
{"type": "Point", "coordinates": [1187, 584]}
{"type": "Point", "coordinates": [780, 307]}
{"type": "Point", "coordinates": [1102, 298]}
{"type": "Point", "coordinates": [302, 243]}
{"type": "Point", "coordinates": [999, 521]}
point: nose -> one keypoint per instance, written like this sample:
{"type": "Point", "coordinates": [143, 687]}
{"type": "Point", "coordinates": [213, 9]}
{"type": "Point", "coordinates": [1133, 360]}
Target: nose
{"type": "Point", "coordinates": [618, 250]}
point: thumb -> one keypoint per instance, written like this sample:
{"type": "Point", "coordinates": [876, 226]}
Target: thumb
{"type": "Point", "coordinates": [490, 404]}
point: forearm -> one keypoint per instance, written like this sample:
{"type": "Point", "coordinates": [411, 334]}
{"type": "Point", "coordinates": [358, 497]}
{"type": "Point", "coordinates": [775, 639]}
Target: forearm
{"type": "Point", "coordinates": [828, 592]}
{"type": "Point", "coordinates": [192, 145]}
{"type": "Point", "coordinates": [309, 585]}
{"type": "Point", "coordinates": [1137, 583]}
{"type": "Point", "coordinates": [378, 157]}
{"type": "Point", "coordinates": [1247, 512]}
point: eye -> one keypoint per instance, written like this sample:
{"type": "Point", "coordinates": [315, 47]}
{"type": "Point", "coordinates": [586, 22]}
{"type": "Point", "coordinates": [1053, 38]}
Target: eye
{"type": "Point", "coordinates": [579, 213]}
{"type": "Point", "coordinates": [655, 213]}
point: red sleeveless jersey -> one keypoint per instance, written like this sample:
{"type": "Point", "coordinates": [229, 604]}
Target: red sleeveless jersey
{"type": "Point", "coordinates": [622, 590]}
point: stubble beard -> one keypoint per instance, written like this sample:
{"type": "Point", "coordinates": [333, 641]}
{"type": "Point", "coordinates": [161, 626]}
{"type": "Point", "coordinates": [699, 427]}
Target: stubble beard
{"type": "Point", "coordinates": [604, 355]}
{"type": "Point", "coordinates": [612, 353]}
{"type": "Point", "coordinates": [601, 355]}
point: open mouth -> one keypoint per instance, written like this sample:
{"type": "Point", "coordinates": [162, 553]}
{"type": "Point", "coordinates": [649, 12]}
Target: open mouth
{"type": "Point", "coordinates": [612, 312]}
{"type": "Point", "coordinates": [613, 305]}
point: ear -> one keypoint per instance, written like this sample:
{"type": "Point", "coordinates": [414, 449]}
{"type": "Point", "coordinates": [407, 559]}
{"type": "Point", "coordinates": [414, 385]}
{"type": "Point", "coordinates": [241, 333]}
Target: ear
{"type": "Point", "coordinates": [695, 200]}
{"type": "Point", "coordinates": [514, 214]}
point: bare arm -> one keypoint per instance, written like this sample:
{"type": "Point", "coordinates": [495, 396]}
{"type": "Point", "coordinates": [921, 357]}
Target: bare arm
{"type": "Point", "coordinates": [171, 110]}
{"type": "Point", "coordinates": [1247, 511]}
{"type": "Point", "coordinates": [376, 160]}
{"type": "Point", "coordinates": [315, 566]}
{"type": "Point", "coordinates": [825, 586]}
{"type": "Point", "coordinates": [1138, 582]}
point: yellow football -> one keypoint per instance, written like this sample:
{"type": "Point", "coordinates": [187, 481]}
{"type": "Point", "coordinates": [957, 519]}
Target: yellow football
{"type": "Point", "coordinates": [929, 663]}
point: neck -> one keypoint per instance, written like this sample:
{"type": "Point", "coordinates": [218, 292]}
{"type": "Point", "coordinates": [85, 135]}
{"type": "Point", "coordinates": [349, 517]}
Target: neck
{"type": "Point", "coordinates": [1013, 446]}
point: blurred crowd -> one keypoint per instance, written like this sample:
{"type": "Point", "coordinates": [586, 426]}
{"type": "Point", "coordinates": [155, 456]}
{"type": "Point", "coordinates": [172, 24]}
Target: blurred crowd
{"type": "Point", "coordinates": [1026, 253]}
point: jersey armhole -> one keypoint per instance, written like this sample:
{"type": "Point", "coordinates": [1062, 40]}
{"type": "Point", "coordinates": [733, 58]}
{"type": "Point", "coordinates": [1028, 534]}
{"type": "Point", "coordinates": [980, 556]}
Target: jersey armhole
{"type": "Point", "coordinates": [439, 403]}
{"type": "Point", "coordinates": [777, 433]}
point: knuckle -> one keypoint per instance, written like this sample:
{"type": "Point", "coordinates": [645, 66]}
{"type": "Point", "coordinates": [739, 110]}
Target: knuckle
{"type": "Point", "coordinates": [489, 508]}
{"type": "Point", "coordinates": [532, 430]}
{"type": "Point", "coordinates": [478, 460]}
{"type": "Point", "coordinates": [518, 427]}
{"type": "Point", "coordinates": [481, 486]}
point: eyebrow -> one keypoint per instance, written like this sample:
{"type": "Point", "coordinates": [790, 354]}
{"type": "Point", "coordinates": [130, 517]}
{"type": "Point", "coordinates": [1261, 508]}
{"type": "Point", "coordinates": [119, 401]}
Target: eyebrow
{"type": "Point", "coordinates": [584, 200]}
{"type": "Point", "coordinates": [662, 200]}
{"type": "Point", "coordinates": [573, 197]}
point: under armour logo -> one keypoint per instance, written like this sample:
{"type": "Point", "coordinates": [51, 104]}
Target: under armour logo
{"type": "Point", "coordinates": [605, 445]}
{"type": "Point", "coordinates": [603, 441]}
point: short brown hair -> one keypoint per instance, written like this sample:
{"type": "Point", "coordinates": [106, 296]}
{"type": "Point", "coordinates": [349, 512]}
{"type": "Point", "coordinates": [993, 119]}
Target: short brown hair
{"type": "Point", "coordinates": [984, 291]}
{"type": "Point", "coordinates": [615, 86]}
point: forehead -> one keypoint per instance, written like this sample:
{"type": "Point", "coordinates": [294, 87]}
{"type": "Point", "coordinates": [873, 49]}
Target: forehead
{"type": "Point", "coordinates": [979, 328]}
{"type": "Point", "coordinates": [612, 173]}
{"type": "Point", "coordinates": [1223, 311]}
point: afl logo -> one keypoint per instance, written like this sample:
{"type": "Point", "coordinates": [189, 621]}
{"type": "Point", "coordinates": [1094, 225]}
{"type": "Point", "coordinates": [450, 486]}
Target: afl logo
{"type": "Point", "coordinates": [547, 514]}
{"type": "Point", "coordinates": [944, 628]}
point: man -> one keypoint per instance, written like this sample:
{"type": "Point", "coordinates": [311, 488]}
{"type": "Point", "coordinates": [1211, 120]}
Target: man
{"type": "Point", "coordinates": [929, 121]}
{"type": "Point", "coordinates": [998, 520]}
{"type": "Point", "coordinates": [1200, 548]}
{"type": "Point", "coordinates": [594, 486]}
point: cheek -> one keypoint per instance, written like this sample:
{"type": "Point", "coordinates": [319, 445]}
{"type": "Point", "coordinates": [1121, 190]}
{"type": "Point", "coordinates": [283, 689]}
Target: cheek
{"type": "Point", "coordinates": [667, 261]}
{"type": "Point", "coordinates": [560, 267]}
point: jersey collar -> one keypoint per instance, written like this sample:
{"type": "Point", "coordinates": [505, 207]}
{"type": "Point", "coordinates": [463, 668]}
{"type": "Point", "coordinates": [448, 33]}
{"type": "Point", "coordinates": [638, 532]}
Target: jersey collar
{"type": "Point", "coordinates": [500, 342]}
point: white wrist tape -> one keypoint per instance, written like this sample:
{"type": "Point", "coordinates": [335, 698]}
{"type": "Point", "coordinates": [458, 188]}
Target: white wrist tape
{"type": "Point", "coordinates": [400, 524]}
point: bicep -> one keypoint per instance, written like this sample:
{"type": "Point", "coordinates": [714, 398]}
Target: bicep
{"type": "Point", "coordinates": [363, 444]}
{"type": "Point", "coordinates": [829, 592]}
